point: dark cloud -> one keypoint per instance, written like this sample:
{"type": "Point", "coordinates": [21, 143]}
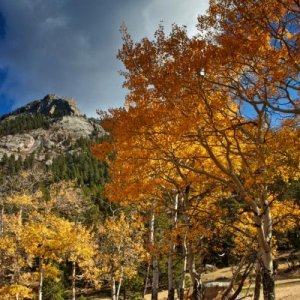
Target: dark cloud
{"type": "Point", "coordinates": [69, 47]}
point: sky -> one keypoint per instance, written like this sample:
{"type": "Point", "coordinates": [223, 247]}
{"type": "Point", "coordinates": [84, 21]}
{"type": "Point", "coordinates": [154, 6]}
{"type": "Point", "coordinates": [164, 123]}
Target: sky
{"type": "Point", "coordinates": [69, 47]}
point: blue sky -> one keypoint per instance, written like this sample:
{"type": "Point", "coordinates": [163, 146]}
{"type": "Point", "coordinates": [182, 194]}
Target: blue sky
{"type": "Point", "coordinates": [69, 47]}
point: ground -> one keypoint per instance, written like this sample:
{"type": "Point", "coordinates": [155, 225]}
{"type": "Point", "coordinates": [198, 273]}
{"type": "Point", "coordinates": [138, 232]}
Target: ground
{"type": "Point", "coordinates": [287, 284]}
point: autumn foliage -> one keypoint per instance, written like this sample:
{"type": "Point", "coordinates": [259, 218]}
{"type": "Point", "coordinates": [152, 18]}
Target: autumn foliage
{"type": "Point", "coordinates": [202, 160]}
{"type": "Point", "coordinates": [209, 118]}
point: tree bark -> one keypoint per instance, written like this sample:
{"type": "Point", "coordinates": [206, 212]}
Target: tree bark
{"type": "Point", "coordinates": [268, 284]}
{"type": "Point", "coordinates": [264, 225]}
{"type": "Point", "coordinates": [113, 288]}
{"type": "Point", "coordinates": [195, 276]}
{"type": "Point", "coordinates": [184, 267]}
{"type": "Point", "coordinates": [155, 278]}
{"type": "Point", "coordinates": [197, 290]}
{"type": "Point", "coordinates": [73, 280]}
{"type": "Point", "coordinates": [155, 271]}
{"type": "Point", "coordinates": [171, 283]}
{"type": "Point", "coordinates": [119, 285]}
{"type": "Point", "coordinates": [41, 278]}
{"type": "Point", "coordinates": [257, 281]}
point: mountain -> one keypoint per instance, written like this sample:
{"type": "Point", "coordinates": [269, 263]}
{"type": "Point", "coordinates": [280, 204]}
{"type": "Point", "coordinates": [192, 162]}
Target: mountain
{"type": "Point", "coordinates": [50, 137]}
{"type": "Point", "coordinates": [47, 126]}
{"type": "Point", "coordinates": [51, 105]}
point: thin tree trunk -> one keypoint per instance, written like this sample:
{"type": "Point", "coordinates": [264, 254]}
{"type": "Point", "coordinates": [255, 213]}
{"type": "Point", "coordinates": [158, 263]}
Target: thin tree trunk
{"type": "Point", "coordinates": [41, 278]}
{"type": "Point", "coordinates": [244, 276]}
{"type": "Point", "coordinates": [120, 284]}
{"type": "Point", "coordinates": [73, 280]}
{"type": "Point", "coordinates": [155, 271]}
{"type": "Point", "coordinates": [184, 266]}
{"type": "Point", "coordinates": [195, 276]}
{"type": "Point", "coordinates": [155, 279]}
{"type": "Point", "coordinates": [171, 283]}
{"type": "Point", "coordinates": [2, 216]}
{"type": "Point", "coordinates": [264, 224]}
{"type": "Point", "coordinates": [113, 288]}
{"type": "Point", "coordinates": [235, 275]}
{"type": "Point", "coordinates": [257, 281]}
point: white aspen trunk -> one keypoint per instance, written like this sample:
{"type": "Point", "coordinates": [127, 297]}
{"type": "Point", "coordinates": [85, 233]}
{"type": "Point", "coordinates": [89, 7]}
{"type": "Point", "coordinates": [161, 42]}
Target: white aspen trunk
{"type": "Point", "coordinates": [41, 278]}
{"type": "Point", "coordinates": [171, 283]}
{"type": "Point", "coordinates": [120, 284]}
{"type": "Point", "coordinates": [184, 266]}
{"type": "Point", "coordinates": [73, 280]}
{"type": "Point", "coordinates": [263, 222]}
{"type": "Point", "coordinates": [265, 228]}
{"type": "Point", "coordinates": [155, 271]}
{"type": "Point", "coordinates": [267, 257]}
{"type": "Point", "coordinates": [113, 288]}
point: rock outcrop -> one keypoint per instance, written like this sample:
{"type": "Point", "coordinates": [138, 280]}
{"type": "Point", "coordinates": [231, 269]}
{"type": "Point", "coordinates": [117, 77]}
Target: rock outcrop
{"type": "Point", "coordinates": [51, 105]}
{"type": "Point", "coordinates": [66, 126]}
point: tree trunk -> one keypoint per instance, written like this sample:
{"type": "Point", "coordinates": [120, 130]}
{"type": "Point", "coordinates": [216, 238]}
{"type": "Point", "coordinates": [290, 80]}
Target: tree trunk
{"type": "Point", "coordinates": [171, 283]}
{"type": "Point", "coordinates": [257, 281]}
{"type": "Point", "coordinates": [268, 284]}
{"type": "Point", "coordinates": [184, 267]}
{"type": "Point", "coordinates": [182, 279]}
{"type": "Point", "coordinates": [113, 288]}
{"type": "Point", "coordinates": [120, 284]}
{"type": "Point", "coordinates": [195, 276]}
{"type": "Point", "coordinates": [41, 277]}
{"type": "Point", "coordinates": [2, 216]}
{"type": "Point", "coordinates": [197, 290]}
{"type": "Point", "coordinates": [155, 271]}
{"type": "Point", "coordinates": [155, 278]}
{"type": "Point", "coordinates": [171, 288]}
{"type": "Point", "coordinates": [264, 225]}
{"type": "Point", "coordinates": [73, 280]}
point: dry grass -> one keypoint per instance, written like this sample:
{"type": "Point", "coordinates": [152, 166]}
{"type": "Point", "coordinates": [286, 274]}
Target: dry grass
{"type": "Point", "coordinates": [287, 284]}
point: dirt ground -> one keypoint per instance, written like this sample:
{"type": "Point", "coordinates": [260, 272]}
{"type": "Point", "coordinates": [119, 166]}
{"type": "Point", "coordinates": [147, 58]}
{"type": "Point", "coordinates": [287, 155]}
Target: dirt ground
{"type": "Point", "coordinates": [286, 291]}
{"type": "Point", "coordinates": [287, 285]}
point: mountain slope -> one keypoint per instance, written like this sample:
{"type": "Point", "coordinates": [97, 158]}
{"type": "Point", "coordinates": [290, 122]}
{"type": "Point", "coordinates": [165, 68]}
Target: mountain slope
{"type": "Point", "coordinates": [47, 126]}
{"type": "Point", "coordinates": [50, 137]}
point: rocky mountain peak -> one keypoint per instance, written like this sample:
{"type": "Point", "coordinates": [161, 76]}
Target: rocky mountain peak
{"type": "Point", "coordinates": [45, 128]}
{"type": "Point", "coordinates": [51, 105]}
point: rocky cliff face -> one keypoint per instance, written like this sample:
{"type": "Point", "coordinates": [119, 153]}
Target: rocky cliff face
{"type": "Point", "coordinates": [51, 106]}
{"type": "Point", "coordinates": [65, 125]}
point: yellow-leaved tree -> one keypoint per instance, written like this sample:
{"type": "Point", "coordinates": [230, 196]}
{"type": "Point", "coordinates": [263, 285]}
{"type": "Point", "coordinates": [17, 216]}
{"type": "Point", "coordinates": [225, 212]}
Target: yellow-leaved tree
{"type": "Point", "coordinates": [121, 249]}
